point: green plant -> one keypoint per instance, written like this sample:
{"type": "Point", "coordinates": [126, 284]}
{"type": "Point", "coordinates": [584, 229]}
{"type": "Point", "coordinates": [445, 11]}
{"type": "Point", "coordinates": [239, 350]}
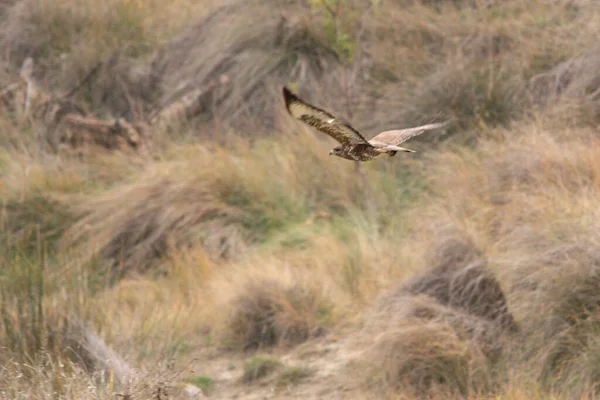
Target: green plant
{"type": "Point", "coordinates": [22, 293]}
{"type": "Point", "coordinates": [201, 381]}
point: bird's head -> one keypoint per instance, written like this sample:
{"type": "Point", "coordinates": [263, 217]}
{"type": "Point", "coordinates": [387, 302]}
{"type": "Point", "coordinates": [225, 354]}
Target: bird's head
{"type": "Point", "coordinates": [336, 151]}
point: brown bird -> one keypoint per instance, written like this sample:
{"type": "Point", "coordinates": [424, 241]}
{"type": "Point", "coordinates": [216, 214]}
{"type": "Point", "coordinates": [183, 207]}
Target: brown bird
{"type": "Point", "coordinates": [353, 145]}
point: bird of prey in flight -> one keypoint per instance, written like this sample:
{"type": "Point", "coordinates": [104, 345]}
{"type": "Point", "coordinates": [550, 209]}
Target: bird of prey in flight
{"type": "Point", "coordinates": [353, 145]}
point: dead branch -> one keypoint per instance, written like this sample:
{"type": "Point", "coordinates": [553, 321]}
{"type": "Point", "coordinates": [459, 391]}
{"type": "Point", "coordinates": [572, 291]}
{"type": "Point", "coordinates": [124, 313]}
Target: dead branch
{"type": "Point", "coordinates": [187, 107]}
{"type": "Point", "coordinates": [95, 353]}
{"type": "Point", "coordinates": [104, 131]}
{"type": "Point", "coordinates": [84, 81]}
{"type": "Point", "coordinates": [67, 125]}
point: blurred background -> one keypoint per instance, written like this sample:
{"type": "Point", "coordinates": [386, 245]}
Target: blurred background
{"type": "Point", "coordinates": [168, 231]}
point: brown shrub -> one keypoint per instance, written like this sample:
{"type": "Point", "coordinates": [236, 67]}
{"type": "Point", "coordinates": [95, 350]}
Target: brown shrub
{"type": "Point", "coordinates": [268, 312]}
{"type": "Point", "coordinates": [472, 288]}
{"type": "Point", "coordinates": [556, 289]}
{"type": "Point", "coordinates": [158, 212]}
{"type": "Point", "coordinates": [458, 277]}
{"type": "Point", "coordinates": [426, 349]}
{"type": "Point", "coordinates": [443, 331]}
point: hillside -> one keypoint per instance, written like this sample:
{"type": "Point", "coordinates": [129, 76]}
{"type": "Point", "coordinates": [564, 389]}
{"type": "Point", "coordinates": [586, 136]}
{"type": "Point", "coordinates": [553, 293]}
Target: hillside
{"type": "Point", "coordinates": [169, 231]}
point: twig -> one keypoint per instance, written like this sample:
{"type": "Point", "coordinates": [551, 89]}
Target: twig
{"type": "Point", "coordinates": [83, 82]}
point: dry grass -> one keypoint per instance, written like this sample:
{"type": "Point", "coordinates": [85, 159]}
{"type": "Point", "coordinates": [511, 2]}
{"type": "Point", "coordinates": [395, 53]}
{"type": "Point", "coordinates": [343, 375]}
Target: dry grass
{"type": "Point", "coordinates": [427, 359]}
{"type": "Point", "coordinates": [259, 239]}
{"type": "Point", "coordinates": [473, 63]}
{"type": "Point", "coordinates": [460, 278]}
{"type": "Point", "coordinates": [67, 39]}
{"type": "Point", "coordinates": [219, 197]}
{"type": "Point", "coordinates": [265, 313]}
{"type": "Point", "coordinates": [530, 204]}
{"type": "Point", "coordinates": [259, 367]}
{"type": "Point", "coordinates": [571, 87]}
{"type": "Point", "coordinates": [443, 332]}
{"type": "Point", "coordinates": [262, 45]}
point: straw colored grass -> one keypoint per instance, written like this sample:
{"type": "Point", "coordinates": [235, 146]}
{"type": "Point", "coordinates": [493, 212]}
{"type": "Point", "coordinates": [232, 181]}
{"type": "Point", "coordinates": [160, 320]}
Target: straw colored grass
{"type": "Point", "coordinates": [247, 235]}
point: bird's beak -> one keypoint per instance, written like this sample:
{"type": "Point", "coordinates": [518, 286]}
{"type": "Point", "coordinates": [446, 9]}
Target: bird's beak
{"type": "Point", "coordinates": [331, 152]}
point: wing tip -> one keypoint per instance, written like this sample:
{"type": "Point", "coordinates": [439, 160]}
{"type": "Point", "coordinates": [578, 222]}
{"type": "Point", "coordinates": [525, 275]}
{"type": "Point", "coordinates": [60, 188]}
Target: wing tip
{"type": "Point", "coordinates": [288, 97]}
{"type": "Point", "coordinates": [435, 125]}
{"type": "Point", "coordinates": [442, 124]}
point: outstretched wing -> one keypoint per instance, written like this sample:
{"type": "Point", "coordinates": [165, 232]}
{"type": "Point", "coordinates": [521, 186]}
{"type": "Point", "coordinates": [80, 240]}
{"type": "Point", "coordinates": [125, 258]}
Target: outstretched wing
{"type": "Point", "coordinates": [396, 137]}
{"type": "Point", "coordinates": [322, 120]}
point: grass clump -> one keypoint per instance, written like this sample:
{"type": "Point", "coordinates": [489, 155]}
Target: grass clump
{"type": "Point", "coordinates": [41, 310]}
{"type": "Point", "coordinates": [291, 376]}
{"type": "Point", "coordinates": [24, 321]}
{"type": "Point", "coordinates": [38, 217]}
{"type": "Point", "coordinates": [426, 347]}
{"type": "Point", "coordinates": [427, 359]}
{"type": "Point", "coordinates": [49, 377]}
{"type": "Point", "coordinates": [201, 381]}
{"type": "Point", "coordinates": [268, 313]}
{"type": "Point", "coordinates": [460, 278]}
{"type": "Point", "coordinates": [570, 88]}
{"type": "Point", "coordinates": [259, 367]}
{"type": "Point", "coordinates": [33, 194]}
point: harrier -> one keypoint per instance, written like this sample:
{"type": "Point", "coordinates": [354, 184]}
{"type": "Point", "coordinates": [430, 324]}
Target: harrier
{"type": "Point", "coordinates": [353, 145]}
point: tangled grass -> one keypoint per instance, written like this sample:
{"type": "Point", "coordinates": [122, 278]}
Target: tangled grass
{"type": "Point", "coordinates": [247, 236]}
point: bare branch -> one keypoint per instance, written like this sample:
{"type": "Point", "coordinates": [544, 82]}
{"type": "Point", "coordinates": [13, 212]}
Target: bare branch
{"type": "Point", "coordinates": [85, 80]}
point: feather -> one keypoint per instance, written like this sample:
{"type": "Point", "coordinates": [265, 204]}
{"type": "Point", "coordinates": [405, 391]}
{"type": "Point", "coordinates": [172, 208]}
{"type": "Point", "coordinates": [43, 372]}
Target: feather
{"type": "Point", "coordinates": [320, 119]}
{"type": "Point", "coordinates": [395, 137]}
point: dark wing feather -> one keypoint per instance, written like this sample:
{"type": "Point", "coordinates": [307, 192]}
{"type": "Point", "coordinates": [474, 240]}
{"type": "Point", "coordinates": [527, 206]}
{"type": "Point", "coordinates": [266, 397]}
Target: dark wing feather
{"type": "Point", "coordinates": [396, 137]}
{"type": "Point", "coordinates": [322, 120]}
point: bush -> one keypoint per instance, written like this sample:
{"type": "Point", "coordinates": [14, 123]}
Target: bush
{"type": "Point", "coordinates": [268, 313]}
{"type": "Point", "coordinates": [427, 359]}
{"type": "Point", "coordinates": [459, 278]}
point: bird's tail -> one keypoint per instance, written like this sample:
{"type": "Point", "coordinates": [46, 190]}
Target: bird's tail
{"type": "Point", "coordinates": [398, 148]}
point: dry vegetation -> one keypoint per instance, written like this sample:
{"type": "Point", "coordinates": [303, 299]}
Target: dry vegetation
{"type": "Point", "coordinates": [237, 258]}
